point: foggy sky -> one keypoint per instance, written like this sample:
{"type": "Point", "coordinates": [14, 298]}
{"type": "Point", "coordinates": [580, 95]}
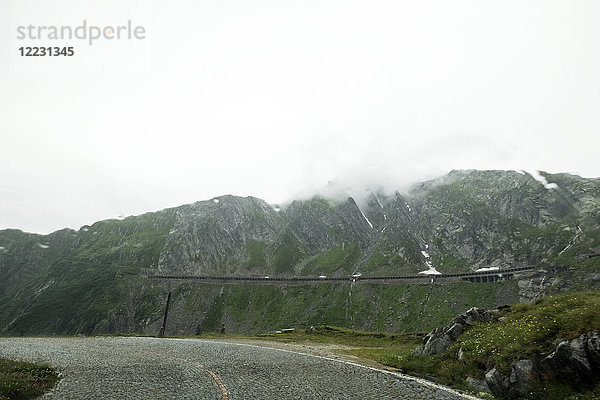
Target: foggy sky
{"type": "Point", "coordinates": [275, 99]}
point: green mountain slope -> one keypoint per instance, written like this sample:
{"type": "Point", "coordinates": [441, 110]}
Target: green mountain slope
{"type": "Point", "coordinates": [93, 279]}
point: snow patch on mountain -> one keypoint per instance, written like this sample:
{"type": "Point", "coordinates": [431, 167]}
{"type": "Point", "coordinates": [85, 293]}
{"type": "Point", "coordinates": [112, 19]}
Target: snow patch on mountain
{"type": "Point", "coordinates": [431, 269]}
{"type": "Point", "coordinates": [366, 219]}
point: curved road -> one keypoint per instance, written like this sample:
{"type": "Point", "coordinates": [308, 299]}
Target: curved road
{"type": "Point", "coordinates": [149, 368]}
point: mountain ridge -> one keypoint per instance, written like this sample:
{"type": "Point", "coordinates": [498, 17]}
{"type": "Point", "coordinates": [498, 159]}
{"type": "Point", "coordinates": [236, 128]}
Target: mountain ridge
{"type": "Point", "coordinates": [462, 215]}
{"type": "Point", "coordinates": [460, 222]}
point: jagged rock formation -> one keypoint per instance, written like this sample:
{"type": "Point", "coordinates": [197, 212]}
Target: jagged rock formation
{"type": "Point", "coordinates": [465, 220]}
{"type": "Point", "coordinates": [577, 360]}
{"type": "Point", "coordinates": [212, 236]}
{"type": "Point", "coordinates": [516, 385]}
{"type": "Point", "coordinates": [440, 339]}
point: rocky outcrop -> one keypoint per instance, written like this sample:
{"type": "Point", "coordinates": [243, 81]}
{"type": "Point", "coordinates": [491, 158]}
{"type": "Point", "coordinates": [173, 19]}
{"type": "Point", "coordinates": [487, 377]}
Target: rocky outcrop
{"type": "Point", "coordinates": [516, 385]}
{"type": "Point", "coordinates": [441, 338]}
{"type": "Point", "coordinates": [577, 360]}
{"type": "Point", "coordinates": [478, 385]}
{"type": "Point", "coordinates": [535, 286]}
{"type": "Point", "coordinates": [211, 237]}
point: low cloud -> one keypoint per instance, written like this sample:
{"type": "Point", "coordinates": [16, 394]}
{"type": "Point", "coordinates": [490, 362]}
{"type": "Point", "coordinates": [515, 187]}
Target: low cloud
{"type": "Point", "coordinates": [356, 168]}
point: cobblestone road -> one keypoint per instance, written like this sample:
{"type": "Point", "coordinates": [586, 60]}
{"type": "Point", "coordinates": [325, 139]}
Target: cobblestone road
{"type": "Point", "coordinates": [148, 368]}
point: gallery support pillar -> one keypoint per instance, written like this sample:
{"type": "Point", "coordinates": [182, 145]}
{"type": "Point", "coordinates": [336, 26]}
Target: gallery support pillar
{"type": "Point", "coordinates": [164, 325]}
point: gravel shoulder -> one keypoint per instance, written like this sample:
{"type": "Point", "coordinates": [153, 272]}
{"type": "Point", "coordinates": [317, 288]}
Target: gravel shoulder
{"type": "Point", "coordinates": [327, 350]}
{"type": "Point", "coordinates": [341, 353]}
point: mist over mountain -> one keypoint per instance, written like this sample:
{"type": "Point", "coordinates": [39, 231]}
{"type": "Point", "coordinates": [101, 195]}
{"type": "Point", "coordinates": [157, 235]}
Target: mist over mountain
{"type": "Point", "coordinates": [94, 279]}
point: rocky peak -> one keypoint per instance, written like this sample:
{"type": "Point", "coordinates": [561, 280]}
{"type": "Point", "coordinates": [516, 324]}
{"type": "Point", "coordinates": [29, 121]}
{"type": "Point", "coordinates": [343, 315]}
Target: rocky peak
{"type": "Point", "coordinates": [208, 237]}
{"type": "Point", "coordinates": [464, 221]}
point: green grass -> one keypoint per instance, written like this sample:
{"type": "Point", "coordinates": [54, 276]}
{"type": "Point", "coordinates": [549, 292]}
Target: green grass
{"type": "Point", "coordinates": [23, 380]}
{"type": "Point", "coordinates": [530, 328]}
{"type": "Point", "coordinates": [370, 345]}
{"type": "Point", "coordinates": [337, 335]}
{"type": "Point", "coordinates": [341, 257]}
{"type": "Point", "coordinates": [448, 264]}
{"type": "Point", "coordinates": [287, 253]}
{"type": "Point", "coordinates": [256, 253]}
{"type": "Point", "coordinates": [383, 256]}
{"type": "Point", "coordinates": [363, 306]}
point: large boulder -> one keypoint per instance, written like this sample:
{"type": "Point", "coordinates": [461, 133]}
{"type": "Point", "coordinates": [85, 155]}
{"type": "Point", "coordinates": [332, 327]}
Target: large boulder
{"type": "Point", "coordinates": [521, 377]}
{"type": "Point", "coordinates": [577, 360]}
{"type": "Point", "coordinates": [478, 385]}
{"type": "Point", "coordinates": [593, 349]}
{"type": "Point", "coordinates": [516, 385]}
{"type": "Point", "coordinates": [496, 382]}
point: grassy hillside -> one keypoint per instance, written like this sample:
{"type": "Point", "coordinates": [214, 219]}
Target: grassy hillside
{"type": "Point", "coordinates": [251, 309]}
{"type": "Point", "coordinates": [78, 281]}
{"type": "Point", "coordinates": [523, 331]}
